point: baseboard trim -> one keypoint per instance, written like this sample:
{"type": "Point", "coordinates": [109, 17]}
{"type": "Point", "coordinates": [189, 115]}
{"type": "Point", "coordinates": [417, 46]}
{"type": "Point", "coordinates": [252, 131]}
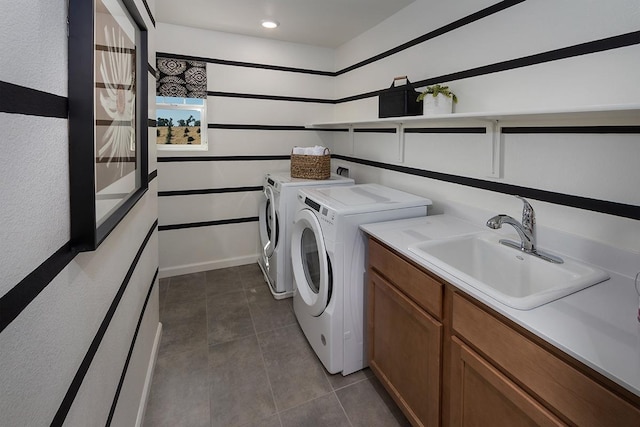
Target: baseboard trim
{"type": "Point", "coordinates": [205, 266]}
{"type": "Point", "coordinates": [149, 378]}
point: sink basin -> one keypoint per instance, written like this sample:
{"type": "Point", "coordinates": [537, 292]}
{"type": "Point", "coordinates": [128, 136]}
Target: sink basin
{"type": "Point", "coordinates": [512, 277]}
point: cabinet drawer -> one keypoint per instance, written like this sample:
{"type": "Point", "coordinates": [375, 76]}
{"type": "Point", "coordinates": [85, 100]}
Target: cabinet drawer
{"type": "Point", "coordinates": [416, 284]}
{"type": "Point", "coordinates": [571, 393]}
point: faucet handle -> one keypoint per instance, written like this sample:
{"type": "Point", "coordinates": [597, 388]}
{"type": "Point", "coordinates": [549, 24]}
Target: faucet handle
{"type": "Point", "coordinates": [528, 215]}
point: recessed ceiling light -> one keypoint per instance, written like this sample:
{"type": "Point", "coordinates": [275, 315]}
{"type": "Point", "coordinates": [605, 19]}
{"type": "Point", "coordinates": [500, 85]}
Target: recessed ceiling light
{"type": "Point", "coordinates": [267, 23]}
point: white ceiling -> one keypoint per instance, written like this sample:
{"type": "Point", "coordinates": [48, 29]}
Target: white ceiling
{"type": "Point", "coordinates": [327, 23]}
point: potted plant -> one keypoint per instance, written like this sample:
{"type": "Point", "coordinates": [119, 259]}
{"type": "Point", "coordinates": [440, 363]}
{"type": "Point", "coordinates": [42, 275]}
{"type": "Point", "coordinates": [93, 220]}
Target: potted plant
{"type": "Point", "coordinates": [437, 99]}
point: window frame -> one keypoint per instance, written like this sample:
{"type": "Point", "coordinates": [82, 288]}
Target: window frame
{"type": "Point", "coordinates": [202, 108]}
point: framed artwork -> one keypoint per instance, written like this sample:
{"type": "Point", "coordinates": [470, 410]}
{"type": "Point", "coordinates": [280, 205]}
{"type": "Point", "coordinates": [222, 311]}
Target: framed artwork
{"type": "Point", "coordinates": [108, 116]}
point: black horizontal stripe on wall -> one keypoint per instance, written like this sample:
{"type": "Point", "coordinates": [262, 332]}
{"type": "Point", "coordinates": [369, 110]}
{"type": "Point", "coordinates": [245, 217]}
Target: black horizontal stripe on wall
{"type": "Point", "coordinates": [601, 45]}
{"type": "Point", "coordinates": [72, 392]}
{"type": "Point", "coordinates": [602, 206]}
{"type": "Point", "coordinates": [295, 128]}
{"type": "Point", "coordinates": [270, 97]}
{"type": "Point", "coordinates": [435, 33]}
{"type": "Point", "coordinates": [574, 129]}
{"type": "Point", "coordinates": [224, 158]}
{"type": "Point", "coordinates": [208, 191]}
{"type": "Point", "coordinates": [330, 129]}
{"type": "Point", "coordinates": [208, 223]}
{"type": "Point", "coordinates": [609, 43]}
{"type": "Point", "coordinates": [554, 55]}
{"type": "Point", "coordinates": [20, 296]}
{"type": "Point", "coordinates": [246, 64]}
{"type": "Point", "coordinates": [130, 353]}
{"type": "Point", "coordinates": [31, 102]}
{"type": "Point", "coordinates": [375, 130]}
{"type": "Point", "coordinates": [152, 123]}
{"type": "Point", "coordinates": [359, 96]}
{"type": "Point", "coordinates": [232, 126]}
{"type": "Point", "coordinates": [446, 130]}
{"type": "Point", "coordinates": [430, 35]}
{"type": "Point", "coordinates": [146, 6]}
{"type": "Point", "coordinates": [153, 175]}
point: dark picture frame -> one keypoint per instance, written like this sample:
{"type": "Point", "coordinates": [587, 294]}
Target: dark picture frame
{"type": "Point", "coordinates": [108, 116]}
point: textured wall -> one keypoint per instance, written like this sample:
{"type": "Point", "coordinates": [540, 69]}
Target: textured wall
{"type": "Point", "coordinates": [57, 336]}
{"type": "Point", "coordinates": [241, 127]}
{"type": "Point", "coordinates": [591, 165]}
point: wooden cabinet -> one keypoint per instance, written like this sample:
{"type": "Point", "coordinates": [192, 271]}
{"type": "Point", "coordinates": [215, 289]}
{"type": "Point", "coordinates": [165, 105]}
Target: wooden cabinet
{"type": "Point", "coordinates": [483, 396]}
{"type": "Point", "coordinates": [404, 346]}
{"type": "Point", "coordinates": [566, 391]}
{"type": "Point", "coordinates": [449, 360]}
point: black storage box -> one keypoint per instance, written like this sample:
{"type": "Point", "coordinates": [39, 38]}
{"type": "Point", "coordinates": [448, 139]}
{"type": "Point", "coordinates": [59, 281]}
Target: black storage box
{"type": "Point", "coordinates": [399, 101]}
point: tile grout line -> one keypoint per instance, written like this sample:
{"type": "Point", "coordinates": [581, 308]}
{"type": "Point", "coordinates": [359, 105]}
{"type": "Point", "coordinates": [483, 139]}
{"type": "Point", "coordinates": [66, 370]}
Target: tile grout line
{"type": "Point", "coordinates": [350, 384]}
{"type": "Point", "coordinates": [166, 290]}
{"type": "Point", "coordinates": [344, 411]}
{"type": "Point", "coordinates": [264, 362]}
{"type": "Point", "coordinates": [206, 320]}
{"type": "Point", "coordinates": [254, 316]}
{"type": "Point", "coordinates": [275, 404]}
{"type": "Point", "coordinates": [333, 390]}
{"type": "Point", "coordinates": [307, 401]}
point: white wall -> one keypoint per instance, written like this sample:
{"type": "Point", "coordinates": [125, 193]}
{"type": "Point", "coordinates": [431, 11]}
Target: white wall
{"type": "Point", "coordinates": [42, 349]}
{"type": "Point", "coordinates": [525, 29]}
{"type": "Point", "coordinates": [592, 166]}
{"type": "Point", "coordinates": [599, 166]}
{"type": "Point", "coordinates": [216, 246]}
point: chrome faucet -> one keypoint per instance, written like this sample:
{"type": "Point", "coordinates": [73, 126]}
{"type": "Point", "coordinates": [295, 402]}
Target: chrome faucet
{"type": "Point", "coordinates": [526, 230]}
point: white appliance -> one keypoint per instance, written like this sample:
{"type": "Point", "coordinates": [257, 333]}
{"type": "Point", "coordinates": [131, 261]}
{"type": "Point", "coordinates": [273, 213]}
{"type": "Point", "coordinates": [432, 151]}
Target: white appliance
{"type": "Point", "coordinates": [328, 260]}
{"type": "Point", "coordinates": [276, 218]}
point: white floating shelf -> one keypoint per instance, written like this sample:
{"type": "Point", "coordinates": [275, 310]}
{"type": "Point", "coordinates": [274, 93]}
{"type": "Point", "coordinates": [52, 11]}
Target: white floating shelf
{"type": "Point", "coordinates": [627, 111]}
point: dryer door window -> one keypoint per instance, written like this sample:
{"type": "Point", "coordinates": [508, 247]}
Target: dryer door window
{"type": "Point", "coordinates": [269, 224]}
{"type": "Point", "coordinates": [311, 260]}
{"type": "Point", "coordinates": [311, 271]}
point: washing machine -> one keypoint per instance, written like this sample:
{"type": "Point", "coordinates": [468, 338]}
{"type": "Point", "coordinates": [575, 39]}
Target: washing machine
{"type": "Point", "coordinates": [328, 260]}
{"type": "Point", "coordinates": [276, 218]}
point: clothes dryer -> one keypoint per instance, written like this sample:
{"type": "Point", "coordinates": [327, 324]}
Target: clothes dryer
{"type": "Point", "coordinates": [277, 209]}
{"type": "Point", "coordinates": [328, 260]}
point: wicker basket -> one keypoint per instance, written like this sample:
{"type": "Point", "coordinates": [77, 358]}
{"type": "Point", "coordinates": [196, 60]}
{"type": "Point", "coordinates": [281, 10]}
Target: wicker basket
{"type": "Point", "coordinates": [311, 167]}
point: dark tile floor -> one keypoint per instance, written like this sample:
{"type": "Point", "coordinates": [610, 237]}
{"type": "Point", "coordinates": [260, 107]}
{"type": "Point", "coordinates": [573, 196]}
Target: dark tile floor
{"type": "Point", "coordinates": [231, 355]}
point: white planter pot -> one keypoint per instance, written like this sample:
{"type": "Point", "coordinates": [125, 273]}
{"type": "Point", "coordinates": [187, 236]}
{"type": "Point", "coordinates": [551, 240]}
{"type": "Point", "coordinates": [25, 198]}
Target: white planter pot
{"type": "Point", "coordinates": [437, 105]}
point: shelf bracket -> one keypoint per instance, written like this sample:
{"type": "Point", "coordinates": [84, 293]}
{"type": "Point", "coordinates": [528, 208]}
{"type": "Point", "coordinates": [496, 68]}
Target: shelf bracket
{"type": "Point", "coordinates": [400, 135]}
{"type": "Point", "coordinates": [494, 138]}
{"type": "Point", "coordinates": [352, 141]}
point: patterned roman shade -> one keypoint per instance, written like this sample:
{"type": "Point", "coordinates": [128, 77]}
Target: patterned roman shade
{"type": "Point", "coordinates": [181, 78]}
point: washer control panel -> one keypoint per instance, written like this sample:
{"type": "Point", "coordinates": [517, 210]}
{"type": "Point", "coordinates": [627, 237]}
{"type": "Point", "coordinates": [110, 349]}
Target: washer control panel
{"type": "Point", "coordinates": [325, 215]}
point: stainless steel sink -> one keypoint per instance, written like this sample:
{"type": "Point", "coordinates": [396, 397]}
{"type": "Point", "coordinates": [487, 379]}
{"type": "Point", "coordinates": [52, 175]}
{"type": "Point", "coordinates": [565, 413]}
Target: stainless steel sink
{"type": "Point", "coordinates": [514, 278]}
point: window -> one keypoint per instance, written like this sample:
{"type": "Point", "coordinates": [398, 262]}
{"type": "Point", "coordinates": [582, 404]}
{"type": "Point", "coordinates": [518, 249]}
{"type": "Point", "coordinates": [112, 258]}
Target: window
{"type": "Point", "coordinates": [181, 123]}
{"type": "Point", "coordinates": [181, 105]}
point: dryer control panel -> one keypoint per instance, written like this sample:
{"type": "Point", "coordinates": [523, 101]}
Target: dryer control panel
{"type": "Point", "coordinates": [272, 183]}
{"type": "Point", "coordinates": [325, 216]}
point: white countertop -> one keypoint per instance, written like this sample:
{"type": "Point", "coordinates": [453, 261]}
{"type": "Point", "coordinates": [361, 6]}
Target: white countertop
{"type": "Point", "coordinates": [598, 325]}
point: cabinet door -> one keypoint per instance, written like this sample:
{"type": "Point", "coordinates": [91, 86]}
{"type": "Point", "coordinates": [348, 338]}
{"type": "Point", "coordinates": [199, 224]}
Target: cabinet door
{"type": "Point", "coordinates": [482, 396]}
{"type": "Point", "coordinates": [572, 394]}
{"type": "Point", "coordinates": [404, 351]}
